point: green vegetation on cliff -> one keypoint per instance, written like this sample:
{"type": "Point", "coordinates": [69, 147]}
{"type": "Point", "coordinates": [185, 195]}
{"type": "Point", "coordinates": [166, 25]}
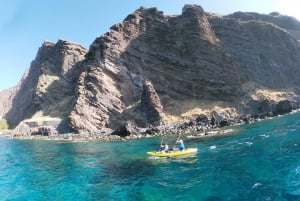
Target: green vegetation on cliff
{"type": "Point", "coordinates": [3, 124]}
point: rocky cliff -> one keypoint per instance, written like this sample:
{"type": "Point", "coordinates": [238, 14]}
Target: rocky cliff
{"type": "Point", "coordinates": [7, 96]}
{"type": "Point", "coordinates": [47, 93]}
{"type": "Point", "coordinates": [264, 50]}
{"type": "Point", "coordinates": [156, 69]}
{"type": "Point", "coordinates": [180, 55]}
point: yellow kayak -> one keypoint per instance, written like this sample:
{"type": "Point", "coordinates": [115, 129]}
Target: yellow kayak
{"type": "Point", "coordinates": [173, 153]}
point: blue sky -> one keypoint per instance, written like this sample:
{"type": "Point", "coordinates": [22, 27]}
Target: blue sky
{"type": "Point", "coordinates": [26, 24]}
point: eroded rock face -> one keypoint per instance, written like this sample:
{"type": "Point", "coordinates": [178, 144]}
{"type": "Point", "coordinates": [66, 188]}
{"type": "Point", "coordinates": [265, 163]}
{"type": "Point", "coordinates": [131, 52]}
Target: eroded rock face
{"type": "Point", "coordinates": [7, 96]}
{"type": "Point", "coordinates": [150, 105]}
{"type": "Point", "coordinates": [266, 53]}
{"type": "Point", "coordinates": [48, 90]}
{"type": "Point", "coordinates": [154, 65]}
{"type": "Point", "coordinates": [162, 49]}
{"type": "Point", "coordinates": [194, 55]}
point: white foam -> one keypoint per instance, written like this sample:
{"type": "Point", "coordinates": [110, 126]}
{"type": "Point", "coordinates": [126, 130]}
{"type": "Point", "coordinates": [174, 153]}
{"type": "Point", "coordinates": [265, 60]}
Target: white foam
{"type": "Point", "coordinates": [256, 185]}
{"type": "Point", "coordinates": [264, 135]}
{"type": "Point", "coordinates": [247, 143]}
{"type": "Point", "coordinates": [213, 147]}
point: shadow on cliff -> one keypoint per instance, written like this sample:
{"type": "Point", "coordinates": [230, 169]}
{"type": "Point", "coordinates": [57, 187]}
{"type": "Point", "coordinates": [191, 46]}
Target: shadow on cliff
{"type": "Point", "coordinates": [42, 103]}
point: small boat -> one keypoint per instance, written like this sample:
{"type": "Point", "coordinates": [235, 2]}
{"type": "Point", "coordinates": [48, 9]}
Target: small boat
{"type": "Point", "coordinates": [173, 153]}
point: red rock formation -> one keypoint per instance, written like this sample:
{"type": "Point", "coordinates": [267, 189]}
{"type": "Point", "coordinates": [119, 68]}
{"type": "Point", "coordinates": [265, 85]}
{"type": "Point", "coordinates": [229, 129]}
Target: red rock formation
{"type": "Point", "coordinates": [195, 56]}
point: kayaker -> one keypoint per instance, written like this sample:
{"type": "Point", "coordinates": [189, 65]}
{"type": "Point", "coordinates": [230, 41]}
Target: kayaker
{"type": "Point", "coordinates": [164, 147]}
{"type": "Point", "coordinates": [181, 145]}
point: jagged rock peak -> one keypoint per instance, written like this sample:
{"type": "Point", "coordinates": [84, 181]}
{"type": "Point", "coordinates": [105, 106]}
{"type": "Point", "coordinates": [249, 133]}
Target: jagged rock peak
{"type": "Point", "coordinates": [195, 20]}
{"type": "Point", "coordinates": [44, 49]}
{"type": "Point", "coordinates": [47, 44]}
{"type": "Point", "coordinates": [144, 12]}
{"type": "Point", "coordinates": [68, 44]}
{"type": "Point", "coordinates": [192, 9]}
{"type": "Point", "coordinates": [63, 54]}
{"type": "Point", "coordinates": [151, 105]}
{"type": "Point", "coordinates": [48, 47]}
{"type": "Point", "coordinates": [61, 44]}
{"type": "Point", "coordinates": [150, 95]}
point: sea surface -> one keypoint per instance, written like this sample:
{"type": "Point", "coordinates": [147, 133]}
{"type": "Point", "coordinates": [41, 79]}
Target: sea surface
{"type": "Point", "coordinates": [259, 161]}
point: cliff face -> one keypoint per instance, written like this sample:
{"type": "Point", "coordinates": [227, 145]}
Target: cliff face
{"type": "Point", "coordinates": [7, 96]}
{"type": "Point", "coordinates": [48, 90]}
{"type": "Point", "coordinates": [195, 62]}
{"type": "Point", "coordinates": [180, 55]}
{"type": "Point", "coordinates": [266, 53]}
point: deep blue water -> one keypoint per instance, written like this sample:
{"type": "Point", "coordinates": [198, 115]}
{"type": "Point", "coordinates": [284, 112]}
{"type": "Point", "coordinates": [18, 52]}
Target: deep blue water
{"type": "Point", "coordinates": [260, 161]}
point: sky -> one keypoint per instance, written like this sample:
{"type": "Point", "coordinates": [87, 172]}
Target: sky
{"type": "Point", "coordinates": [26, 24]}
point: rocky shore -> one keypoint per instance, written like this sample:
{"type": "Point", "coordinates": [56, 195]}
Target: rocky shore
{"type": "Point", "coordinates": [195, 128]}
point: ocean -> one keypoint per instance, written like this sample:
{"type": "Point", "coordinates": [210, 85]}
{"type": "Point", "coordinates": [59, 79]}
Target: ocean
{"type": "Point", "coordinates": [259, 161]}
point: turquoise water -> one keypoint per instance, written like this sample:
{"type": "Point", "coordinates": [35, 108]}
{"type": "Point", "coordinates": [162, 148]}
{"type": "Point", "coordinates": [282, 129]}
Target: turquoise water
{"type": "Point", "coordinates": [260, 161]}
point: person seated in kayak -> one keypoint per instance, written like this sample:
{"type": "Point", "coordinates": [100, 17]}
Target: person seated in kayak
{"type": "Point", "coordinates": [164, 147]}
{"type": "Point", "coordinates": [181, 145]}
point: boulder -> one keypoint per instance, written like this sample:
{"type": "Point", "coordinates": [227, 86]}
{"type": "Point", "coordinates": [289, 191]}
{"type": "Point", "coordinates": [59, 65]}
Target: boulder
{"type": "Point", "coordinates": [224, 122]}
{"type": "Point", "coordinates": [126, 129]}
{"type": "Point", "coordinates": [266, 106]}
{"type": "Point", "coordinates": [283, 107]}
{"type": "Point", "coordinates": [202, 119]}
{"type": "Point", "coordinates": [44, 131]}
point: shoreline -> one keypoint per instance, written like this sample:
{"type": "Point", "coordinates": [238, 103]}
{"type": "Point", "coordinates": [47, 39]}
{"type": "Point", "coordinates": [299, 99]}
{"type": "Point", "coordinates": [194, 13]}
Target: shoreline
{"type": "Point", "coordinates": [137, 134]}
{"type": "Point", "coordinates": [187, 129]}
{"type": "Point", "coordinates": [72, 137]}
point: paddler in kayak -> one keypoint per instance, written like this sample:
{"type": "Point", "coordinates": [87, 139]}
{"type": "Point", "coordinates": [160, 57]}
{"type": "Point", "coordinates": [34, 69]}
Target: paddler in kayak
{"type": "Point", "coordinates": [176, 151]}
{"type": "Point", "coordinates": [164, 148]}
{"type": "Point", "coordinates": [181, 145]}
